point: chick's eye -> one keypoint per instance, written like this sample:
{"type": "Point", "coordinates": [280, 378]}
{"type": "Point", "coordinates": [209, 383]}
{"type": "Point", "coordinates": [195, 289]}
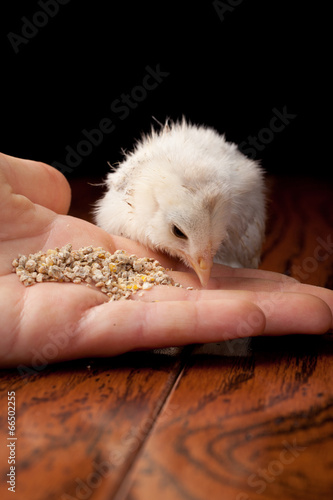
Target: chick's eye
{"type": "Point", "coordinates": [177, 232]}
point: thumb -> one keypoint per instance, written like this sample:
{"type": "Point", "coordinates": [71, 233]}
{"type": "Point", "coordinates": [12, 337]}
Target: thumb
{"type": "Point", "coordinates": [40, 183]}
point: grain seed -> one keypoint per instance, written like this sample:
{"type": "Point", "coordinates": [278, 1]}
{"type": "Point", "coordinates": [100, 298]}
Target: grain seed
{"type": "Point", "coordinates": [118, 275]}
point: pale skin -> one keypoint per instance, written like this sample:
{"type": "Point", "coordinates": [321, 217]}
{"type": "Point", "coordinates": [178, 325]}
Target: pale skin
{"type": "Point", "coordinates": [72, 321]}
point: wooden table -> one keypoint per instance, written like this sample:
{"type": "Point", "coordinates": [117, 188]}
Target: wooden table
{"type": "Point", "coordinates": [250, 419]}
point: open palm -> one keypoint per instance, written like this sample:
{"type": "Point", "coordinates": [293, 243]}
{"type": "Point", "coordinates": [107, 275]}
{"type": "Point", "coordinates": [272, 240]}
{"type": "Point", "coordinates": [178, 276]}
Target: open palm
{"type": "Point", "coordinates": [61, 321]}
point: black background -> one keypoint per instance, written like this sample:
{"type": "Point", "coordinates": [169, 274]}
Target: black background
{"type": "Point", "coordinates": [228, 70]}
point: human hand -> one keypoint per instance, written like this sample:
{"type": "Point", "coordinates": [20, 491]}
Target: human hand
{"type": "Point", "coordinates": [62, 321]}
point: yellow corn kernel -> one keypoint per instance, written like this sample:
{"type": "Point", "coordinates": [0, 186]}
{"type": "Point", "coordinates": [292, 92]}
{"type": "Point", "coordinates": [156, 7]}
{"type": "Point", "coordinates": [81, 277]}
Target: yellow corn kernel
{"type": "Point", "coordinates": [132, 287]}
{"type": "Point", "coordinates": [112, 267]}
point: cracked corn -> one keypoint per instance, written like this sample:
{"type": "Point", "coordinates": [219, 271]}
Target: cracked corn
{"type": "Point", "coordinates": [117, 275]}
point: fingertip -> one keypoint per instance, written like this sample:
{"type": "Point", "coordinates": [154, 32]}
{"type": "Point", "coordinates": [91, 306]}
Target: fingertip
{"type": "Point", "coordinates": [322, 318]}
{"type": "Point", "coordinates": [252, 321]}
{"type": "Point", "coordinates": [298, 313]}
{"type": "Point", "coordinates": [40, 183]}
{"type": "Point", "coordinates": [60, 191]}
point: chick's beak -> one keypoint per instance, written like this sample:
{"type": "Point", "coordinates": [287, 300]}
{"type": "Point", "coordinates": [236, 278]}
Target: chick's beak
{"type": "Point", "coordinates": [202, 265]}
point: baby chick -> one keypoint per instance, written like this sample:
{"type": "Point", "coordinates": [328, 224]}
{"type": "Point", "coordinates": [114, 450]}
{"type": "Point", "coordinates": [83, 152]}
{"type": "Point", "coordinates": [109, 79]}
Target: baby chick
{"type": "Point", "coordinates": [186, 191]}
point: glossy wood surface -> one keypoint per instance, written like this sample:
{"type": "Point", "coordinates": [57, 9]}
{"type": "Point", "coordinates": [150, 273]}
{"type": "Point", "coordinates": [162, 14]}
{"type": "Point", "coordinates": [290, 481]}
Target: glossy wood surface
{"type": "Point", "coordinates": [249, 419]}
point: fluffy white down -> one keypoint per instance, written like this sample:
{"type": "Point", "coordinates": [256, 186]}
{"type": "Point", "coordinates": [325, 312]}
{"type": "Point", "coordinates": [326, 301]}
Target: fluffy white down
{"type": "Point", "coordinates": [190, 177]}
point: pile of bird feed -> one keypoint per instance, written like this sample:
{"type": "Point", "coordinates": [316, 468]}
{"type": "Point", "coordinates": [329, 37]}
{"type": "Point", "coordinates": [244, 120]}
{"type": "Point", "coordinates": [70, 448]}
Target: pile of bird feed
{"type": "Point", "coordinates": [118, 275]}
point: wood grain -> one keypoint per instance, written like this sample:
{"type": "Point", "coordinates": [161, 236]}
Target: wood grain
{"type": "Point", "coordinates": [248, 419]}
{"type": "Point", "coordinates": [79, 424]}
{"type": "Point", "coordinates": [299, 236]}
{"type": "Point", "coordinates": [252, 426]}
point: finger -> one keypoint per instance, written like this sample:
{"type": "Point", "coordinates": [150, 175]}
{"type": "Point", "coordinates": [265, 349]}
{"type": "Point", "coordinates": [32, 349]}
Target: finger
{"type": "Point", "coordinates": [221, 271]}
{"type": "Point", "coordinates": [225, 277]}
{"type": "Point", "coordinates": [40, 183]}
{"type": "Point", "coordinates": [115, 328]}
{"type": "Point", "coordinates": [295, 313]}
{"type": "Point", "coordinates": [286, 312]}
{"type": "Point", "coordinates": [148, 325]}
{"type": "Point", "coordinates": [278, 288]}
{"type": "Point", "coordinates": [255, 281]}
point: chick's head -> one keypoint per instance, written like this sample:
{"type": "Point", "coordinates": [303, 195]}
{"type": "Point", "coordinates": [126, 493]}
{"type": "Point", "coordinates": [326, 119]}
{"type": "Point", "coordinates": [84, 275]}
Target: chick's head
{"type": "Point", "coordinates": [186, 221]}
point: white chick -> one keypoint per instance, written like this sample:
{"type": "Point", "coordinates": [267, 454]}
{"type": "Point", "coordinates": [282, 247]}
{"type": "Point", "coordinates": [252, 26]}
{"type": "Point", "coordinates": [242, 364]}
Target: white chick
{"type": "Point", "coordinates": [186, 191]}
